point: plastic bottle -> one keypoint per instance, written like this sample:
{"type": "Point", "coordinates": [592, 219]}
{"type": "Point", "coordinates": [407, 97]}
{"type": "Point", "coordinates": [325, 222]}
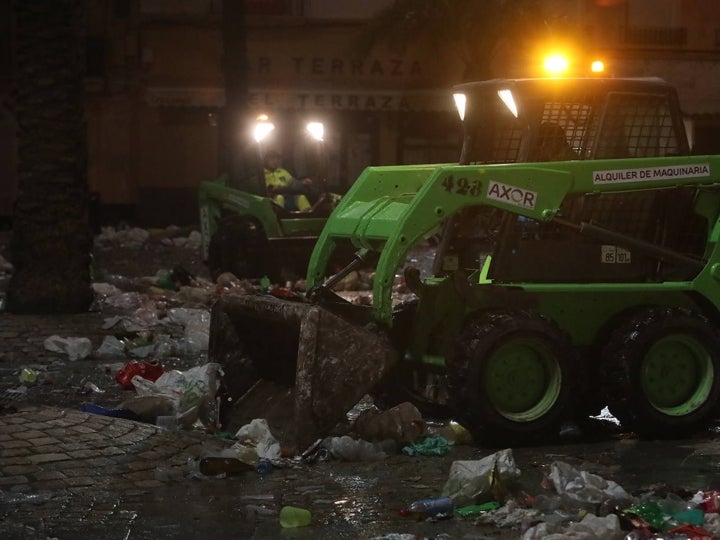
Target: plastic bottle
{"type": "Point", "coordinates": [428, 508]}
{"type": "Point", "coordinates": [264, 467]}
{"type": "Point", "coordinates": [292, 516]}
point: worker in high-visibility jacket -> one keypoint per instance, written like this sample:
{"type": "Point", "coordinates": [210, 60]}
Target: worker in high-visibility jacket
{"type": "Point", "coordinates": [278, 179]}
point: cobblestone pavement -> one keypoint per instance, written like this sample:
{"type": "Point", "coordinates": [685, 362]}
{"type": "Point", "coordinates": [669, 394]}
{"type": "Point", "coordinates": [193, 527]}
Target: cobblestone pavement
{"type": "Point", "coordinates": [45, 448]}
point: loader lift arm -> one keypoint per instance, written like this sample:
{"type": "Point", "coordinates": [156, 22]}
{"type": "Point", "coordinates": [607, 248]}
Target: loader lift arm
{"type": "Point", "coordinates": [391, 217]}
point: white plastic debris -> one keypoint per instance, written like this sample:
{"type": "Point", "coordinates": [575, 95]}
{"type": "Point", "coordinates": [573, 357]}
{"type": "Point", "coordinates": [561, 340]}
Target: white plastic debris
{"type": "Point", "coordinates": [76, 348]}
{"type": "Point", "coordinates": [133, 237]}
{"type": "Point", "coordinates": [111, 346]}
{"type": "Point", "coordinates": [470, 482]}
{"type": "Point", "coordinates": [584, 489]}
{"type": "Point", "coordinates": [126, 300]}
{"type": "Point", "coordinates": [346, 448]}
{"type": "Point", "coordinates": [104, 290]}
{"type": "Point", "coordinates": [591, 527]}
{"type": "Point", "coordinates": [188, 390]}
{"type": "Point", "coordinates": [197, 327]}
{"type": "Point", "coordinates": [509, 515]}
{"type": "Point", "coordinates": [257, 433]}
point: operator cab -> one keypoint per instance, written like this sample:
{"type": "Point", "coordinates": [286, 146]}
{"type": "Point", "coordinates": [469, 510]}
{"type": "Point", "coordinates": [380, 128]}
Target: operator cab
{"type": "Point", "coordinates": [543, 120]}
{"type": "Point", "coordinates": [527, 120]}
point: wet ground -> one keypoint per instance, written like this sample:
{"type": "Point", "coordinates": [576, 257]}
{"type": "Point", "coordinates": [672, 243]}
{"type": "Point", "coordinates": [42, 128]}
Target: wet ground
{"type": "Point", "coordinates": [346, 499]}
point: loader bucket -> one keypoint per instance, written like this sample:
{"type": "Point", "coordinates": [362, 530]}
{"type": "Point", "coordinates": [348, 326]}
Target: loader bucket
{"type": "Point", "coordinates": [323, 362]}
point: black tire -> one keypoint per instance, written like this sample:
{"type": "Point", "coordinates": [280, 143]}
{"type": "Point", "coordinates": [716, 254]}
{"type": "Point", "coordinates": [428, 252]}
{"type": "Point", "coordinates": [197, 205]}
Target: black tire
{"type": "Point", "coordinates": [239, 246]}
{"type": "Point", "coordinates": [512, 380]}
{"type": "Point", "coordinates": [662, 372]}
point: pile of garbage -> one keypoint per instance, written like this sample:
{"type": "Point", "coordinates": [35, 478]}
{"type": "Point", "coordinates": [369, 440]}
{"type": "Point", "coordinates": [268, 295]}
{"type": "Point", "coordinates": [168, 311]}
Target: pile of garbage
{"type": "Point", "coordinates": [568, 502]}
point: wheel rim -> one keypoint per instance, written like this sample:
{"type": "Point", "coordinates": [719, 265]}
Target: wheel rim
{"type": "Point", "coordinates": [523, 380]}
{"type": "Point", "coordinates": [677, 374]}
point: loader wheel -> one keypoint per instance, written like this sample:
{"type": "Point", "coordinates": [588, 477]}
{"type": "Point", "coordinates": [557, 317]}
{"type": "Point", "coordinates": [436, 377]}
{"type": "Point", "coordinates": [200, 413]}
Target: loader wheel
{"type": "Point", "coordinates": [240, 247]}
{"type": "Point", "coordinates": [511, 380]}
{"type": "Point", "coordinates": [662, 372]}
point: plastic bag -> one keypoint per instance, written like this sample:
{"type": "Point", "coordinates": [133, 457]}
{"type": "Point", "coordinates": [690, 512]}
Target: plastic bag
{"type": "Point", "coordinates": [104, 290]}
{"type": "Point", "coordinates": [429, 446]}
{"type": "Point", "coordinates": [76, 348]}
{"type": "Point", "coordinates": [188, 389]}
{"type": "Point", "coordinates": [346, 448]}
{"type": "Point", "coordinates": [257, 433]}
{"type": "Point", "coordinates": [591, 527]}
{"type": "Point", "coordinates": [471, 482]}
{"type": "Point", "coordinates": [197, 327]}
{"type": "Point", "coordinates": [111, 346]}
{"type": "Point", "coordinates": [584, 489]}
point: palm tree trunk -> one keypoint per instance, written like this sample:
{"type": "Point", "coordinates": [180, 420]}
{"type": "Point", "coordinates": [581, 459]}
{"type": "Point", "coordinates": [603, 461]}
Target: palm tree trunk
{"type": "Point", "coordinates": [51, 236]}
{"type": "Point", "coordinates": [235, 67]}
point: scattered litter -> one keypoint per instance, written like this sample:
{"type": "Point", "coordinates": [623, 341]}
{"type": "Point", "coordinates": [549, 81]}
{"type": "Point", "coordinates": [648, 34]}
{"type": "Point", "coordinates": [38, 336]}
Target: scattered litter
{"type": "Point", "coordinates": [584, 489]}
{"type": "Point", "coordinates": [477, 481]}
{"type": "Point", "coordinates": [173, 279]}
{"type": "Point", "coordinates": [92, 387]}
{"type": "Point", "coordinates": [197, 327]}
{"type": "Point", "coordinates": [429, 446]}
{"type": "Point", "coordinates": [76, 348]}
{"type": "Point", "coordinates": [591, 527]}
{"type": "Point", "coordinates": [438, 508]}
{"type": "Point", "coordinates": [257, 435]}
{"type": "Point", "coordinates": [150, 371]}
{"type": "Point", "coordinates": [28, 376]}
{"type": "Point", "coordinates": [454, 433]}
{"type": "Point", "coordinates": [149, 408]}
{"type": "Point", "coordinates": [510, 515]}
{"type": "Point", "coordinates": [125, 300]}
{"type": "Point", "coordinates": [476, 509]}
{"type": "Point", "coordinates": [292, 516]}
{"type": "Point", "coordinates": [346, 448]}
{"type": "Point", "coordinates": [108, 411]}
{"type": "Point", "coordinates": [131, 237]}
{"type": "Point", "coordinates": [402, 423]}
{"type": "Point", "coordinates": [110, 346]}
{"type": "Point", "coordinates": [188, 391]}
{"type": "Point", "coordinates": [103, 290]}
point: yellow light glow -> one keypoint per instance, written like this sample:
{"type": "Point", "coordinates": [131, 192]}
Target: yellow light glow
{"type": "Point", "coordinates": [598, 66]}
{"type": "Point", "coordinates": [556, 64]}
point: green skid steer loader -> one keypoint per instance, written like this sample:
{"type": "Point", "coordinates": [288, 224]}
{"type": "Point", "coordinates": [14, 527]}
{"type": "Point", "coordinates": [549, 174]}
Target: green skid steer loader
{"type": "Point", "coordinates": [576, 267]}
{"type": "Point", "coordinates": [251, 235]}
{"type": "Point", "coordinates": [245, 230]}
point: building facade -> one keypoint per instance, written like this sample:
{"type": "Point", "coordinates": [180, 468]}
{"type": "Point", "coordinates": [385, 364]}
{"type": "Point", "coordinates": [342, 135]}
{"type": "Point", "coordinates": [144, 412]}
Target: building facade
{"type": "Point", "coordinates": [155, 88]}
